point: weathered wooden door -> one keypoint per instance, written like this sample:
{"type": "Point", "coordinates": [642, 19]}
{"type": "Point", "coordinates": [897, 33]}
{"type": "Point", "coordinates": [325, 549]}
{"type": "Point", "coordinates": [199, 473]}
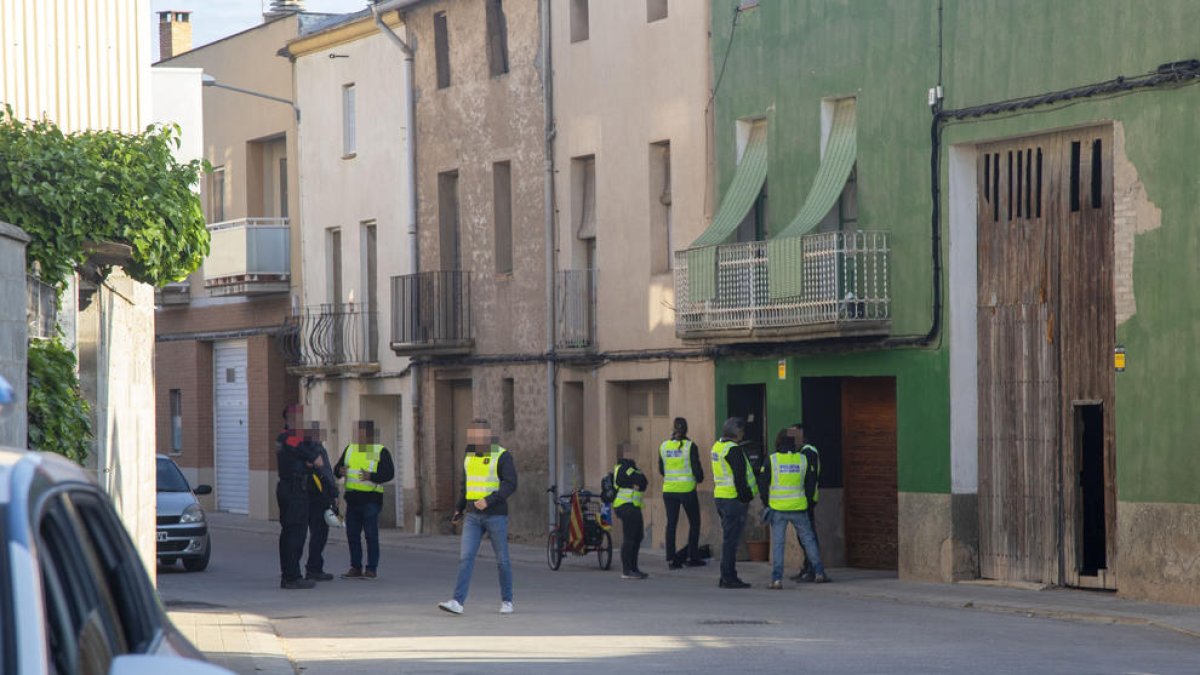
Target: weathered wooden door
{"type": "Point", "coordinates": [1045, 330]}
{"type": "Point", "coordinates": [869, 470]}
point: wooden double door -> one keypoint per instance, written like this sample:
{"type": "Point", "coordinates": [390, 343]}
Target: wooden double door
{"type": "Point", "coordinates": [1046, 337]}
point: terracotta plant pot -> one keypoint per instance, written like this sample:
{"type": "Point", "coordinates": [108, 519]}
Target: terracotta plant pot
{"type": "Point", "coordinates": [759, 550]}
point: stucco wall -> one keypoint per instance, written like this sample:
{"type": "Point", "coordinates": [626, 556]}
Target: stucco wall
{"type": "Point", "coordinates": [13, 332]}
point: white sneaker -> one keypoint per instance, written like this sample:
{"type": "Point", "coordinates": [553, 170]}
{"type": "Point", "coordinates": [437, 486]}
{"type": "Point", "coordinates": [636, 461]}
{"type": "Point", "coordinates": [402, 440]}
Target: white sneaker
{"type": "Point", "coordinates": [452, 606]}
{"type": "Point", "coordinates": [506, 608]}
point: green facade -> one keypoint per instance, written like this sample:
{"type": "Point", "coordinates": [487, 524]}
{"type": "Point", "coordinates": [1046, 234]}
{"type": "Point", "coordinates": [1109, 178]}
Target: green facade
{"type": "Point", "coordinates": [786, 56]}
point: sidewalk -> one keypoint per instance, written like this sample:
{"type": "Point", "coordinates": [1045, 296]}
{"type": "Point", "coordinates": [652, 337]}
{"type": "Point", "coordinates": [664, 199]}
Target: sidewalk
{"type": "Point", "coordinates": [243, 643]}
{"type": "Point", "coordinates": [1053, 603]}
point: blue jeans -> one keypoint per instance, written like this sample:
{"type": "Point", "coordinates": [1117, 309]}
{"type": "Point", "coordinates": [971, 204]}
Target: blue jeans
{"type": "Point", "coordinates": [363, 519]}
{"type": "Point", "coordinates": [733, 521]}
{"type": "Point", "coordinates": [474, 525]}
{"type": "Point", "coordinates": [804, 532]}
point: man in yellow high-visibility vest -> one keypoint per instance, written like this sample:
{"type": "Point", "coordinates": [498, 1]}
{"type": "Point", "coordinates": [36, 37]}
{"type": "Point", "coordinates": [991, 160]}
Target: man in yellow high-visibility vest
{"type": "Point", "coordinates": [366, 465]}
{"type": "Point", "coordinates": [489, 479]}
{"type": "Point", "coordinates": [735, 487]}
{"type": "Point", "coordinates": [786, 501]}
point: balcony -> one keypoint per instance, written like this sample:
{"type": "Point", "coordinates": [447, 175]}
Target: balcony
{"type": "Point", "coordinates": [41, 308]}
{"type": "Point", "coordinates": [178, 293]}
{"type": "Point", "coordinates": [249, 256]}
{"type": "Point", "coordinates": [576, 293]}
{"type": "Point", "coordinates": [431, 313]}
{"type": "Point", "coordinates": [843, 292]}
{"type": "Point", "coordinates": [331, 340]}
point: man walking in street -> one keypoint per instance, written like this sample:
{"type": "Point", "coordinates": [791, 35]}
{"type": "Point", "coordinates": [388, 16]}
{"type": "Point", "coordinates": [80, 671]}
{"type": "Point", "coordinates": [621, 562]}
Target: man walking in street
{"type": "Point", "coordinates": [489, 479]}
{"type": "Point", "coordinates": [295, 458]}
{"type": "Point", "coordinates": [735, 487]}
{"type": "Point", "coordinates": [786, 502]}
{"type": "Point", "coordinates": [679, 465]}
{"type": "Point", "coordinates": [812, 492]}
{"type": "Point", "coordinates": [631, 489]}
{"type": "Point", "coordinates": [323, 496]}
{"type": "Point", "coordinates": [366, 465]}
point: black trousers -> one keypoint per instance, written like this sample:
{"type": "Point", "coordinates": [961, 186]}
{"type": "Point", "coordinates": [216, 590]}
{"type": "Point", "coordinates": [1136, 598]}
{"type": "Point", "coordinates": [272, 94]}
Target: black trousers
{"type": "Point", "coordinates": [293, 522]}
{"type": "Point", "coordinates": [632, 529]}
{"type": "Point", "coordinates": [318, 535]}
{"type": "Point", "coordinates": [691, 505]}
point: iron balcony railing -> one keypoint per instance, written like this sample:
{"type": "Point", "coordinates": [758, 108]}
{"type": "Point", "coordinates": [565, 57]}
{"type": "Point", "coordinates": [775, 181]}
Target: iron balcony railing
{"type": "Point", "coordinates": [576, 292]}
{"type": "Point", "coordinates": [41, 308]}
{"type": "Point", "coordinates": [431, 312]}
{"type": "Point", "coordinates": [844, 287]}
{"type": "Point", "coordinates": [331, 338]}
{"type": "Point", "coordinates": [249, 256]}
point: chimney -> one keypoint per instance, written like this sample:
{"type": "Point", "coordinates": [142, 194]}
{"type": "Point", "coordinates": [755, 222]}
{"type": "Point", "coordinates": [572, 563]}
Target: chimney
{"type": "Point", "coordinates": [174, 33]}
{"type": "Point", "coordinates": [280, 8]}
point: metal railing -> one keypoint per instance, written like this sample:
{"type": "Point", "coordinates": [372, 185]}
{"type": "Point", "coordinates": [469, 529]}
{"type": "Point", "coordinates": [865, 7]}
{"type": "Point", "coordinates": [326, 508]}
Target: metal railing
{"type": "Point", "coordinates": [844, 281]}
{"type": "Point", "coordinates": [431, 311]}
{"type": "Point", "coordinates": [576, 293]}
{"type": "Point", "coordinates": [330, 337]}
{"type": "Point", "coordinates": [41, 308]}
{"type": "Point", "coordinates": [249, 255]}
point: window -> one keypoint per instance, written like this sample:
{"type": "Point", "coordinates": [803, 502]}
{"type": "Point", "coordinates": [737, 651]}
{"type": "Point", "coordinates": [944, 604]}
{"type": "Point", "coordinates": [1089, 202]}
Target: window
{"type": "Point", "coordinates": [509, 405]}
{"type": "Point", "coordinates": [441, 48]}
{"type": "Point", "coordinates": [216, 195]}
{"type": "Point", "coordinates": [502, 216]}
{"type": "Point", "coordinates": [754, 226]}
{"type": "Point", "coordinates": [583, 196]}
{"type": "Point", "coordinates": [370, 268]}
{"type": "Point", "coordinates": [176, 421]}
{"type": "Point", "coordinates": [579, 20]}
{"type": "Point", "coordinates": [333, 265]}
{"type": "Point", "coordinates": [661, 223]}
{"type": "Point", "coordinates": [448, 221]}
{"type": "Point", "coordinates": [497, 36]}
{"type": "Point", "coordinates": [349, 132]}
{"type": "Point", "coordinates": [283, 188]}
{"type": "Point", "coordinates": [656, 10]}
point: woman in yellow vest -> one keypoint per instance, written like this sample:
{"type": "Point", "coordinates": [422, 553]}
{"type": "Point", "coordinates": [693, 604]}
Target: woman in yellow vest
{"type": "Point", "coordinates": [735, 487]}
{"type": "Point", "coordinates": [786, 502]}
{"type": "Point", "coordinates": [489, 479]}
{"type": "Point", "coordinates": [631, 489]}
{"type": "Point", "coordinates": [366, 466]}
{"type": "Point", "coordinates": [679, 465]}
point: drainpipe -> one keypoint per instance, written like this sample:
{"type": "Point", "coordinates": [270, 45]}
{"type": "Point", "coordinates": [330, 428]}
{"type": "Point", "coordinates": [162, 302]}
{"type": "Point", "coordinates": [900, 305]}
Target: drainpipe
{"type": "Point", "coordinates": [414, 265]}
{"type": "Point", "coordinates": [551, 390]}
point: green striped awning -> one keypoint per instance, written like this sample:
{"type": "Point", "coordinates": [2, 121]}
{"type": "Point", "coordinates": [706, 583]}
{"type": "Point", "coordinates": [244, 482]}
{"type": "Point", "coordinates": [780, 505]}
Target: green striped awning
{"type": "Point", "coordinates": [747, 183]}
{"type": "Point", "coordinates": [784, 254]}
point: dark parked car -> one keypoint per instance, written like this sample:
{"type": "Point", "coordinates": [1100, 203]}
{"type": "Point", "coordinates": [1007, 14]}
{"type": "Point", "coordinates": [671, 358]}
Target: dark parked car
{"type": "Point", "coordinates": [182, 527]}
{"type": "Point", "coordinates": [74, 597]}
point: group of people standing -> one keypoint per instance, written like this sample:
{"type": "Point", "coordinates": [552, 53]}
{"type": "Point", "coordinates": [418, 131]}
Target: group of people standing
{"type": "Point", "coordinates": [786, 482]}
{"type": "Point", "coordinates": [307, 495]}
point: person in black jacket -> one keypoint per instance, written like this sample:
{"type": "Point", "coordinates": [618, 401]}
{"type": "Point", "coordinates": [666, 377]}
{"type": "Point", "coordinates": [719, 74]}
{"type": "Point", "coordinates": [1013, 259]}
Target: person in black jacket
{"type": "Point", "coordinates": [295, 458]}
{"type": "Point", "coordinates": [735, 487]}
{"type": "Point", "coordinates": [323, 496]}
{"type": "Point", "coordinates": [631, 489]}
{"type": "Point", "coordinates": [366, 465]}
{"type": "Point", "coordinates": [679, 490]}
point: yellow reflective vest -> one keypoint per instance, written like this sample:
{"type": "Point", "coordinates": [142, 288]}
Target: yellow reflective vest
{"type": "Point", "coordinates": [787, 481]}
{"type": "Point", "coordinates": [362, 458]}
{"type": "Point", "coordinates": [723, 473]}
{"type": "Point", "coordinates": [626, 495]}
{"type": "Point", "coordinates": [483, 473]}
{"type": "Point", "coordinates": [677, 466]}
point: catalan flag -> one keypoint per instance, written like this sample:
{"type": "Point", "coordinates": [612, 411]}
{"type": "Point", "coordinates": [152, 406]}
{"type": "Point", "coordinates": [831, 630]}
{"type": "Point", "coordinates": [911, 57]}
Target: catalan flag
{"type": "Point", "coordinates": [575, 541]}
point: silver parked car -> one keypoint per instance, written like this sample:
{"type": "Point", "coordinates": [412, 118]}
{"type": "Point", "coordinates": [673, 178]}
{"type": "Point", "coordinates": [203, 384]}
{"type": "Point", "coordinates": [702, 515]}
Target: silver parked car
{"type": "Point", "coordinates": [74, 597]}
{"type": "Point", "coordinates": [182, 528]}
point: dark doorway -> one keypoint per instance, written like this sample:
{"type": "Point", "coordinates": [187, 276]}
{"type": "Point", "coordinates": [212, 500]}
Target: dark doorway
{"type": "Point", "coordinates": [821, 403]}
{"type": "Point", "coordinates": [749, 402]}
{"type": "Point", "coordinates": [1089, 434]}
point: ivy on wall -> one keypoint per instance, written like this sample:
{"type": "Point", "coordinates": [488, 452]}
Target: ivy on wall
{"type": "Point", "coordinates": [57, 411]}
{"type": "Point", "coordinates": [70, 190]}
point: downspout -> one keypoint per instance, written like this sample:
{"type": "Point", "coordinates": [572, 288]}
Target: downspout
{"type": "Point", "coordinates": [414, 265]}
{"type": "Point", "coordinates": [551, 318]}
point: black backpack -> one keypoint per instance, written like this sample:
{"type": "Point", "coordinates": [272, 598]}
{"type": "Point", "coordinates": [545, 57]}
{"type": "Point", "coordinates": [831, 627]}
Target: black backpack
{"type": "Point", "coordinates": [608, 490]}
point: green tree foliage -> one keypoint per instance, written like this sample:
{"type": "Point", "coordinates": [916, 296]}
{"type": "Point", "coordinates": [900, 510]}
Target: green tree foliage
{"type": "Point", "coordinates": [68, 190]}
{"type": "Point", "coordinates": [58, 413]}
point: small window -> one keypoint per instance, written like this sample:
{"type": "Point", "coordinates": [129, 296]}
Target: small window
{"type": "Point", "coordinates": [176, 421]}
{"type": "Point", "coordinates": [579, 20]}
{"type": "Point", "coordinates": [283, 188]}
{"type": "Point", "coordinates": [333, 265]}
{"type": "Point", "coordinates": [509, 404]}
{"type": "Point", "coordinates": [216, 195]}
{"type": "Point", "coordinates": [497, 35]}
{"type": "Point", "coordinates": [441, 48]}
{"type": "Point", "coordinates": [502, 215]}
{"type": "Point", "coordinates": [661, 243]}
{"type": "Point", "coordinates": [448, 235]}
{"type": "Point", "coordinates": [656, 10]}
{"type": "Point", "coordinates": [583, 196]}
{"type": "Point", "coordinates": [349, 132]}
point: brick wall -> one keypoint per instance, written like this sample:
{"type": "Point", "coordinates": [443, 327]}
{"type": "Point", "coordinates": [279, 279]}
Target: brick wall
{"type": "Point", "coordinates": [186, 366]}
{"type": "Point", "coordinates": [251, 314]}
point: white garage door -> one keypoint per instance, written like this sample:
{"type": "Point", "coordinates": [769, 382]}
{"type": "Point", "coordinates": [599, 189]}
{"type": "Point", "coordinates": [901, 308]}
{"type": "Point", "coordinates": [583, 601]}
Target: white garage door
{"type": "Point", "coordinates": [232, 433]}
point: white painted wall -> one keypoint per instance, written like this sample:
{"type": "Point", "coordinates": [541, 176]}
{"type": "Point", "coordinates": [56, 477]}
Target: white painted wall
{"type": "Point", "coordinates": [964, 343]}
{"type": "Point", "coordinates": [178, 99]}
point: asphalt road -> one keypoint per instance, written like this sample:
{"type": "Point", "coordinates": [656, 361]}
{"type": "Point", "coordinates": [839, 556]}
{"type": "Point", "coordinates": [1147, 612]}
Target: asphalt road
{"type": "Point", "coordinates": [582, 617]}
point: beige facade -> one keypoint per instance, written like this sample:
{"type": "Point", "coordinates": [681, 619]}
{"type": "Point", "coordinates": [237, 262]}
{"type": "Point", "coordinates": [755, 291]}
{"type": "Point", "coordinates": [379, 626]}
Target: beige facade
{"type": "Point", "coordinates": [631, 158]}
{"type": "Point", "coordinates": [54, 63]}
{"type": "Point", "coordinates": [221, 374]}
{"type": "Point", "coordinates": [354, 235]}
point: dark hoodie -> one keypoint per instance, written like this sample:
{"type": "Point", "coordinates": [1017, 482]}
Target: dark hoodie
{"type": "Point", "coordinates": [629, 475]}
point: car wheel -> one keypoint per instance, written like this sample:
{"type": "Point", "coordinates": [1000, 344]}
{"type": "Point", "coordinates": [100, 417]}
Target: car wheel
{"type": "Point", "coordinates": [201, 563]}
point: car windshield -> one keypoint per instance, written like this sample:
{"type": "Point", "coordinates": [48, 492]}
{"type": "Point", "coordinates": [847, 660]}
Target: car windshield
{"type": "Point", "coordinates": [170, 479]}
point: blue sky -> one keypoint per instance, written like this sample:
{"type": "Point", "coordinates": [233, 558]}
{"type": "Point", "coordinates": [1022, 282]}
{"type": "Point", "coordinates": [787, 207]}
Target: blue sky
{"type": "Point", "coordinates": [214, 19]}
